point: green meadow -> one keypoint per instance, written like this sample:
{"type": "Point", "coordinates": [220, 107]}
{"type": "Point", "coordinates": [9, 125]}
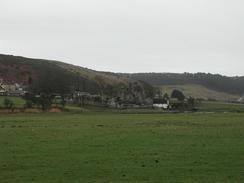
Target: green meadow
{"type": "Point", "coordinates": [18, 101]}
{"type": "Point", "coordinates": [105, 147]}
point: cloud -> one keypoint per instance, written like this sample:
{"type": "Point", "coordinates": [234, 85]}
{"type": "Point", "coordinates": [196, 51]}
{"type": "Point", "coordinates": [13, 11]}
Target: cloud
{"type": "Point", "coordinates": [129, 35]}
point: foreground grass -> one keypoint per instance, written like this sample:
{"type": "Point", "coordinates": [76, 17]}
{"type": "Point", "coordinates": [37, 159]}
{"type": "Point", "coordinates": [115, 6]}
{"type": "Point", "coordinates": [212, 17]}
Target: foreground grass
{"type": "Point", "coordinates": [99, 147]}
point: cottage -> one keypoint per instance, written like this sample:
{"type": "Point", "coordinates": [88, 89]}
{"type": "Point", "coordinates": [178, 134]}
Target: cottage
{"type": "Point", "coordinates": [241, 100]}
{"type": "Point", "coordinates": [16, 93]}
{"type": "Point", "coordinates": [162, 106]}
{"type": "Point", "coordinates": [11, 89]}
{"type": "Point", "coordinates": [2, 90]}
{"type": "Point", "coordinates": [162, 103]}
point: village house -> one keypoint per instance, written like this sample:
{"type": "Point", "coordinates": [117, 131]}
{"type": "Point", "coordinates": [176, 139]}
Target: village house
{"type": "Point", "coordinates": [11, 89]}
{"type": "Point", "coordinates": [2, 90]}
{"type": "Point", "coordinates": [162, 103]}
{"type": "Point", "coordinates": [241, 100]}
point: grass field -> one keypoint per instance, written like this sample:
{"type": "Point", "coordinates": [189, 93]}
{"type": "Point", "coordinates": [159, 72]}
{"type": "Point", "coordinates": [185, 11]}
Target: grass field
{"type": "Point", "coordinates": [18, 101]}
{"type": "Point", "coordinates": [106, 147]}
{"type": "Point", "coordinates": [220, 107]}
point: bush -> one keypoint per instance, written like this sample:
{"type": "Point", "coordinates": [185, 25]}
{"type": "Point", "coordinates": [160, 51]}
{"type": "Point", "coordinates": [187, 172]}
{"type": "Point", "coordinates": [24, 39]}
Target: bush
{"type": "Point", "coordinates": [178, 94]}
{"type": "Point", "coordinates": [29, 104]}
{"type": "Point", "coordinates": [191, 101]}
{"type": "Point", "coordinates": [63, 103]}
{"type": "Point", "coordinates": [7, 103]}
{"type": "Point", "coordinates": [45, 101]}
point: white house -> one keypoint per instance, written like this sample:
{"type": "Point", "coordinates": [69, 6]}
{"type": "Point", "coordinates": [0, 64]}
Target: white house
{"type": "Point", "coordinates": [241, 99]}
{"type": "Point", "coordinates": [11, 89]}
{"type": "Point", "coordinates": [162, 106]}
{"type": "Point", "coordinates": [2, 90]}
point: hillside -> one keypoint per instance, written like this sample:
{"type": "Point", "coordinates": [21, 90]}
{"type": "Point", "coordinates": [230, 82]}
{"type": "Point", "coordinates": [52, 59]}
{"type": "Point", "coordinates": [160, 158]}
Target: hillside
{"type": "Point", "coordinates": [199, 91]}
{"type": "Point", "coordinates": [219, 83]}
{"type": "Point", "coordinates": [58, 75]}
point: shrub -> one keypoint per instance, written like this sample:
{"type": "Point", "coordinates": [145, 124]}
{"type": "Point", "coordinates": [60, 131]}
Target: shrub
{"type": "Point", "coordinates": [29, 104]}
{"type": "Point", "coordinates": [178, 94]}
{"type": "Point", "coordinates": [9, 104]}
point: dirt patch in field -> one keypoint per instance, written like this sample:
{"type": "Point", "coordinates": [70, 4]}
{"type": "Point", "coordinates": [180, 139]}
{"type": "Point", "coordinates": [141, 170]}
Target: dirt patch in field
{"type": "Point", "coordinates": [169, 123]}
{"type": "Point", "coordinates": [55, 110]}
{"type": "Point", "coordinates": [29, 110]}
{"type": "Point", "coordinates": [34, 110]}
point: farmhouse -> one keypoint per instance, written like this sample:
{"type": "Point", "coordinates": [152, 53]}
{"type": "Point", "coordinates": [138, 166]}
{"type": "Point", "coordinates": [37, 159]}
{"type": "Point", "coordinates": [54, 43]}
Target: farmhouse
{"type": "Point", "coordinates": [241, 100]}
{"type": "Point", "coordinates": [11, 89]}
{"type": "Point", "coordinates": [2, 90]}
{"type": "Point", "coordinates": [163, 106]}
{"type": "Point", "coordinates": [162, 103]}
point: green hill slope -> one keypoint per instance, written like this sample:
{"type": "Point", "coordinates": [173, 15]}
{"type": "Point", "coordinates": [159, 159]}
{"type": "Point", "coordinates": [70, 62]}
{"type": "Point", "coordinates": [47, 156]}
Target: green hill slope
{"type": "Point", "coordinates": [216, 82]}
{"type": "Point", "coordinates": [199, 91]}
{"type": "Point", "coordinates": [138, 86]}
{"type": "Point", "coordinates": [58, 75]}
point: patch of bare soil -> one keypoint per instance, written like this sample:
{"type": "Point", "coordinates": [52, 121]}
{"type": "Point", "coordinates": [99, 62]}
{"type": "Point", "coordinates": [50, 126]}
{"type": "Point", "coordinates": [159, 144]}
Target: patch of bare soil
{"type": "Point", "coordinates": [29, 110]}
{"type": "Point", "coordinates": [55, 110]}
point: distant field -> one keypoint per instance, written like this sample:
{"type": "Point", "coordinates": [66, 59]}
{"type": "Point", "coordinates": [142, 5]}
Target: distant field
{"type": "Point", "coordinates": [18, 101]}
{"type": "Point", "coordinates": [107, 147]}
{"type": "Point", "coordinates": [220, 107]}
{"type": "Point", "coordinates": [198, 91]}
{"type": "Point", "coordinates": [205, 106]}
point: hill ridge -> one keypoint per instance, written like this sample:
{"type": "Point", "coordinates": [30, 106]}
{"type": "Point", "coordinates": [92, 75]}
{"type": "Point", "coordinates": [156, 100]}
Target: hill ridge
{"type": "Point", "coordinates": [20, 69]}
{"type": "Point", "coordinates": [29, 71]}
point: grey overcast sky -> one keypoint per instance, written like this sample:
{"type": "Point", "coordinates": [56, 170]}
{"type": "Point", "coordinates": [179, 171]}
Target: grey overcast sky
{"type": "Point", "coordinates": [128, 35]}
